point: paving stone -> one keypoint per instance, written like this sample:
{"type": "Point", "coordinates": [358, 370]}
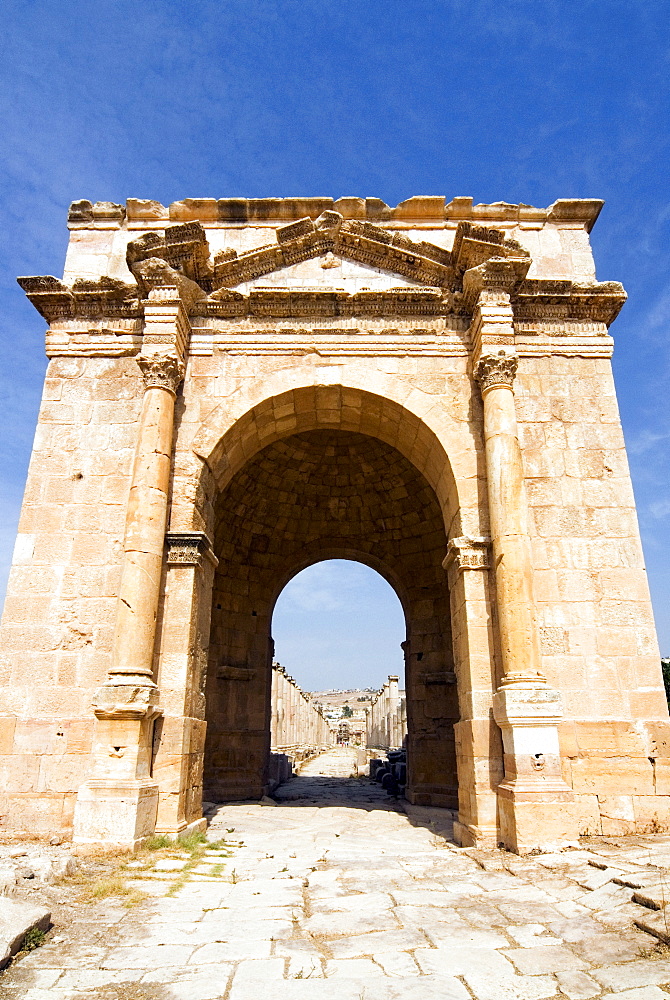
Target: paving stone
{"type": "Point", "coordinates": [574, 929]}
{"type": "Point", "coordinates": [467, 937]}
{"type": "Point", "coordinates": [89, 979]}
{"type": "Point", "coordinates": [621, 917]}
{"type": "Point", "coordinates": [304, 989]}
{"type": "Point", "coordinates": [376, 943]}
{"type": "Point", "coordinates": [646, 972]}
{"type": "Point", "coordinates": [263, 969]}
{"type": "Point", "coordinates": [199, 988]}
{"type": "Point", "coordinates": [429, 916]}
{"type": "Point", "coordinates": [228, 928]}
{"type": "Point", "coordinates": [148, 957]}
{"type": "Point", "coordinates": [532, 912]}
{"type": "Point", "coordinates": [398, 963]}
{"type": "Point", "coordinates": [606, 949]}
{"type": "Point", "coordinates": [168, 865]}
{"type": "Point", "coordinates": [305, 967]}
{"type": "Point", "coordinates": [16, 919]}
{"type": "Point", "coordinates": [577, 985]}
{"type": "Point", "coordinates": [607, 895]}
{"type": "Point", "coordinates": [655, 923]}
{"type": "Point", "coordinates": [52, 956]}
{"type": "Point", "coordinates": [337, 924]}
{"type": "Point", "coordinates": [457, 961]}
{"type": "Point", "coordinates": [354, 968]}
{"type": "Point", "coordinates": [43, 978]}
{"type": "Point", "coordinates": [231, 951]}
{"type": "Point", "coordinates": [487, 987]}
{"type": "Point", "coordinates": [532, 935]}
{"type": "Point", "coordinates": [536, 961]}
{"type": "Point", "coordinates": [594, 878]}
{"type": "Point", "coordinates": [642, 993]}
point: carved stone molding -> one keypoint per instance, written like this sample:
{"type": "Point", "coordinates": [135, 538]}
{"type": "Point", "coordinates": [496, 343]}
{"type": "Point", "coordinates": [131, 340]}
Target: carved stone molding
{"type": "Point", "coordinates": [189, 548]}
{"type": "Point", "coordinates": [466, 552]}
{"type": "Point", "coordinates": [496, 370]}
{"type": "Point", "coordinates": [162, 371]}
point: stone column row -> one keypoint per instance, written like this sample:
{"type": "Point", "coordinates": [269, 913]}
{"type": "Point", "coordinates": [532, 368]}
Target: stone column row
{"type": "Point", "coordinates": [386, 717]}
{"type": "Point", "coordinates": [295, 720]}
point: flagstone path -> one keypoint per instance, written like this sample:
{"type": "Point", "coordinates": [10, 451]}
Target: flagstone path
{"type": "Point", "coordinates": [339, 893]}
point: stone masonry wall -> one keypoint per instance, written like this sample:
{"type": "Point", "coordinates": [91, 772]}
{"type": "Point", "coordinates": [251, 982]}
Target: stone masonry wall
{"type": "Point", "coordinates": [58, 619]}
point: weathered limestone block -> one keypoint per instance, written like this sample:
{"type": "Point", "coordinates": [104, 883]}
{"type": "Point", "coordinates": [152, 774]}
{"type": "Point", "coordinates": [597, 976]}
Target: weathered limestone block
{"type": "Point", "coordinates": [16, 919]}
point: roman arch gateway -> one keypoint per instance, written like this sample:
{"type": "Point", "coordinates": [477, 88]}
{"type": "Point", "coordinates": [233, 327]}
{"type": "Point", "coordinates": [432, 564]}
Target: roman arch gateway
{"type": "Point", "coordinates": [239, 388]}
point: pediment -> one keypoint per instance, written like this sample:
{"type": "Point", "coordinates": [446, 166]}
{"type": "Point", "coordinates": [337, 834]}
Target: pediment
{"type": "Point", "coordinates": [329, 272]}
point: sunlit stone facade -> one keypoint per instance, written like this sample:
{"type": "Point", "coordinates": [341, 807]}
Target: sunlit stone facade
{"type": "Point", "coordinates": [237, 389]}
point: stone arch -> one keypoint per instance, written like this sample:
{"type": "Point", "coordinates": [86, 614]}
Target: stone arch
{"type": "Point", "coordinates": [325, 553]}
{"type": "Point", "coordinates": [325, 492]}
{"type": "Point", "coordinates": [415, 421]}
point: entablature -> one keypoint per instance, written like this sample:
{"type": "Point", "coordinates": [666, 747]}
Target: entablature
{"type": "Point", "coordinates": [437, 300]}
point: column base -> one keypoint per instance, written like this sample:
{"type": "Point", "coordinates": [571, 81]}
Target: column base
{"type": "Point", "coordinates": [537, 820]}
{"type": "Point", "coordinates": [119, 813]}
{"type": "Point", "coordinates": [195, 826]}
{"type": "Point", "coordinates": [468, 835]}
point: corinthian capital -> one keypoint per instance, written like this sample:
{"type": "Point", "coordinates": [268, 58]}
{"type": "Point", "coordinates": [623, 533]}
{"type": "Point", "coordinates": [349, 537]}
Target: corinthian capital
{"type": "Point", "coordinates": [495, 370]}
{"type": "Point", "coordinates": [162, 371]}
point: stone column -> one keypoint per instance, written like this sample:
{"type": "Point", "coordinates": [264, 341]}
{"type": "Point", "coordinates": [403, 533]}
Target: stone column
{"type": "Point", "coordinates": [119, 804]}
{"type": "Point", "coordinates": [394, 702]}
{"type": "Point", "coordinates": [534, 804]}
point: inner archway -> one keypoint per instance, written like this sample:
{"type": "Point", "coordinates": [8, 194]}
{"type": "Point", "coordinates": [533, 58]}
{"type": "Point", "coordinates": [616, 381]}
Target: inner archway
{"type": "Point", "coordinates": [339, 633]}
{"type": "Point", "coordinates": [339, 624]}
{"type": "Point", "coordinates": [307, 497]}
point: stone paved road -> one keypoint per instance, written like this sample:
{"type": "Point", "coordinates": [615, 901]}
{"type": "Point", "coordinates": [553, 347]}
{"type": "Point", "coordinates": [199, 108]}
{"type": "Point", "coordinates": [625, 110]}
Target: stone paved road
{"type": "Point", "coordinates": [338, 894]}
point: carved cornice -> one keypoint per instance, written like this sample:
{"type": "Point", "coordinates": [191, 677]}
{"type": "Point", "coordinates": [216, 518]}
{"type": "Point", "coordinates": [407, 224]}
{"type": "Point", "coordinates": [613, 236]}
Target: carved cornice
{"type": "Point", "coordinates": [496, 370]}
{"type": "Point", "coordinates": [544, 298]}
{"type": "Point", "coordinates": [84, 300]}
{"type": "Point", "coordinates": [161, 371]}
{"type": "Point", "coordinates": [363, 242]}
{"type": "Point", "coordinates": [184, 248]}
{"type": "Point", "coordinates": [278, 303]}
{"type": "Point", "coordinates": [189, 548]}
{"type": "Point", "coordinates": [447, 282]}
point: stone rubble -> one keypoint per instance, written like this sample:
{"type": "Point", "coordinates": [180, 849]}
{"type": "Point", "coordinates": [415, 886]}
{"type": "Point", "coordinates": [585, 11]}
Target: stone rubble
{"type": "Point", "coordinates": [364, 897]}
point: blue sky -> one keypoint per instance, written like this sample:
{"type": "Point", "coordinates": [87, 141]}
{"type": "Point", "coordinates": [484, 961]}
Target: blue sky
{"type": "Point", "coordinates": [513, 101]}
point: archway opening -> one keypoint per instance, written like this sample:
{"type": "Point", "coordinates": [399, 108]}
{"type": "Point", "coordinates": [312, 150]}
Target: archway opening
{"type": "Point", "coordinates": [339, 624]}
{"type": "Point", "coordinates": [308, 497]}
{"type": "Point", "coordinates": [338, 679]}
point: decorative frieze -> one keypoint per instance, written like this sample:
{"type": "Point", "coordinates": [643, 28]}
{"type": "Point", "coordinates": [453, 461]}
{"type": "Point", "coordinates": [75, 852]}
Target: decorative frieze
{"type": "Point", "coordinates": [162, 371]}
{"type": "Point", "coordinates": [496, 370]}
{"type": "Point", "coordinates": [188, 548]}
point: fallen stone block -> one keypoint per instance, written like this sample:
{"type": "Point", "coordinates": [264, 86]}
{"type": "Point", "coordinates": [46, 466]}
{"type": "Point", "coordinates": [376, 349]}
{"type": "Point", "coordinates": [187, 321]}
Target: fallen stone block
{"type": "Point", "coordinates": [16, 919]}
{"type": "Point", "coordinates": [654, 897]}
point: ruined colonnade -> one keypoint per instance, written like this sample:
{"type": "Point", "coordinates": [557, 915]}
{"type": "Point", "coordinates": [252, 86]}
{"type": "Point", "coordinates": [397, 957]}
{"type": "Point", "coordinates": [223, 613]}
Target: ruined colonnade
{"type": "Point", "coordinates": [295, 720]}
{"type": "Point", "coordinates": [386, 716]}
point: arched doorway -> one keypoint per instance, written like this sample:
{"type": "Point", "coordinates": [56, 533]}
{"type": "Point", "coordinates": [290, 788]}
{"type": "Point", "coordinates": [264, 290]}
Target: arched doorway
{"type": "Point", "coordinates": [339, 624]}
{"type": "Point", "coordinates": [339, 633]}
{"type": "Point", "coordinates": [307, 496]}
